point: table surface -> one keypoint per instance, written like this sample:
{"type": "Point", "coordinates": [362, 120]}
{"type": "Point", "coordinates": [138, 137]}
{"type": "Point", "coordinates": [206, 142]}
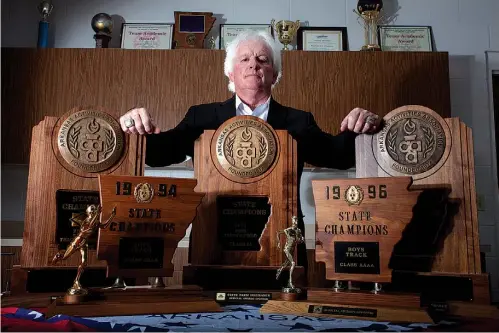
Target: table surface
{"type": "Point", "coordinates": [235, 318]}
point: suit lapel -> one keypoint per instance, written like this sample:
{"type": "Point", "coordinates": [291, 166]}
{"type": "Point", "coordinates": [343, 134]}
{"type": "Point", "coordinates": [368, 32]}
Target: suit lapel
{"type": "Point", "coordinates": [226, 110]}
{"type": "Point", "coordinates": [277, 115]}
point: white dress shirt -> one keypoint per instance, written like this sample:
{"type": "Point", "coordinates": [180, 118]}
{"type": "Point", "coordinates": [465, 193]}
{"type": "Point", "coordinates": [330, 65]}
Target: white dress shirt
{"type": "Point", "coordinates": [261, 111]}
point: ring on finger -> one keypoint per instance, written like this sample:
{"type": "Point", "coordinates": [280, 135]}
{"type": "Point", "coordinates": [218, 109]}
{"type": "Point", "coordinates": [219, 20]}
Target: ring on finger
{"type": "Point", "coordinates": [129, 123]}
{"type": "Point", "coordinates": [371, 120]}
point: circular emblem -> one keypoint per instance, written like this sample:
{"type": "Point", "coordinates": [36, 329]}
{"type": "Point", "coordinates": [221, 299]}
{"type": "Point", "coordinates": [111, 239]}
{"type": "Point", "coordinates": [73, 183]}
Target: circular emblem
{"type": "Point", "coordinates": [143, 193]}
{"type": "Point", "coordinates": [245, 147]}
{"type": "Point", "coordinates": [414, 141]}
{"type": "Point", "coordinates": [354, 195]}
{"type": "Point", "coordinates": [90, 141]}
{"type": "Point", "coordinates": [190, 39]}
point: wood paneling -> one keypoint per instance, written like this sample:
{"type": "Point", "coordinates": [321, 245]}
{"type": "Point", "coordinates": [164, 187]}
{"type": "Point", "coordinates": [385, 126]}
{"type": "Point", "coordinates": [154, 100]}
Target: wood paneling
{"type": "Point", "coordinates": [36, 83]}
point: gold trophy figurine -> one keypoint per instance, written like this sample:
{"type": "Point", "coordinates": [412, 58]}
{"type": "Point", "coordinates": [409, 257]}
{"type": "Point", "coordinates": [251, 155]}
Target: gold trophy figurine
{"type": "Point", "coordinates": [294, 237]}
{"type": "Point", "coordinates": [89, 223]}
{"type": "Point", "coordinates": [286, 31]}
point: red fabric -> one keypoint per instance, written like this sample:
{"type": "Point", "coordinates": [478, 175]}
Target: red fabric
{"type": "Point", "coordinates": [16, 324]}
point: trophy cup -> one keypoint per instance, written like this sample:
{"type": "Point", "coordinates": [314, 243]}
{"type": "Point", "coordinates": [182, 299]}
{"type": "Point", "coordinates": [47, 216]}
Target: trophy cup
{"type": "Point", "coordinates": [286, 31]}
{"type": "Point", "coordinates": [89, 223]}
{"type": "Point", "coordinates": [369, 12]}
{"type": "Point", "coordinates": [103, 26]}
{"type": "Point", "coordinates": [45, 8]}
{"type": "Point", "coordinates": [294, 237]}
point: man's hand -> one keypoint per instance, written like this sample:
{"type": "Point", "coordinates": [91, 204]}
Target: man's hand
{"type": "Point", "coordinates": [361, 121]}
{"type": "Point", "coordinates": [139, 121]}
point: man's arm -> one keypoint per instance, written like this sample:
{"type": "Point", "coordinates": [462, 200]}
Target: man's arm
{"type": "Point", "coordinates": [322, 149]}
{"type": "Point", "coordinates": [173, 146]}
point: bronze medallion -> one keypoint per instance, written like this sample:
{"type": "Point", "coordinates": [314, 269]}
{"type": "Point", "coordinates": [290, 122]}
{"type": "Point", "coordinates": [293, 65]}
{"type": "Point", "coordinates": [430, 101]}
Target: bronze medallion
{"type": "Point", "coordinates": [190, 39]}
{"type": "Point", "coordinates": [90, 140]}
{"type": "Point", "coordinates": [246, 148]}
{"type": "Point", "coordinates": [414, 141]}
{"type": "Point", "coordinates": [354, 195]}
{"type": "Point", "coordinates": [143, 193]}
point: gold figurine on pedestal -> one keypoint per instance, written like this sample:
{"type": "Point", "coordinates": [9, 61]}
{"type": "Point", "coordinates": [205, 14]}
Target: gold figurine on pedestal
{"type": "Point", "coordinates": [89, 223]}
{"type": "Point", "coordinates": [294, 237]}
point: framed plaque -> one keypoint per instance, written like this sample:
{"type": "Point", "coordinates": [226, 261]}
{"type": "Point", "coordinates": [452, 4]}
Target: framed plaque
{"type": "Point", "coordinates": [191, 29]}
{"type": "Point", "coordinates": [322, 39]}
{"type": "Point", "coordinates": [146, 36]}
{"type": "Point", "coordinates": [229, 32]}
{"type": "Point", "coordinates": [405, 38]}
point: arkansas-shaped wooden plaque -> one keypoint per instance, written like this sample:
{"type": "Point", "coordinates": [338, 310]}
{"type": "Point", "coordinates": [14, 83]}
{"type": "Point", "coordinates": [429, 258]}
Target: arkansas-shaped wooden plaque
{"type": "Point", "coordinates": [367, 227]}
{"type": "Point", "coordinates": [152, 216]}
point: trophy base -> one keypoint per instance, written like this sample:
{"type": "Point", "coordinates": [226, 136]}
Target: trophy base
{"type": "Point", "coordinates": [332, 310]}
{"type": "Point", "coordinates": [291, 294]}
{"type": "Point", "coordinates": [75, 298]}
{"type": "Point", "coordinates": [371, 47]}
{"type": "Point", "coordinates": [135, 301]}
{"type": "Point", "coordinates": [240, 277]}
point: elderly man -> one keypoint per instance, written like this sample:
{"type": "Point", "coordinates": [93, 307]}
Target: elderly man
{"type": "Point", "coordinates": [253, 66]}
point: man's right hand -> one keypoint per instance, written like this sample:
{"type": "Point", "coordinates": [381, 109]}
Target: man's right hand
{"type": "Point", "coordinates": [139, 121]}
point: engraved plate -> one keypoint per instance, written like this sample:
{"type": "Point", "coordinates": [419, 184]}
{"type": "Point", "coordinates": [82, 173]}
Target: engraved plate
{"type": "Point", "coordinates": [90, 141]}
{"type": "Point", "coordinates": [413, 142]}
{"type": "Point", "coordinates": [70, 204]}
{"type": "Point", "coordinates": [357, 257]}
{"type": "Point", "coordinates": [343, 311]}
{"type": "Point", "coordinates": [141, 253]}
{"type": "Point", "coordinates": [241, 221]}
{"type": "Point", "coordinates": [246, 148]}
{"type": "Point", "coordinates": [237, 296]}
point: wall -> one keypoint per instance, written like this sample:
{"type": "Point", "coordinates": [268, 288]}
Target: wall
{"type": "Point", "coordinates": [464, 28]}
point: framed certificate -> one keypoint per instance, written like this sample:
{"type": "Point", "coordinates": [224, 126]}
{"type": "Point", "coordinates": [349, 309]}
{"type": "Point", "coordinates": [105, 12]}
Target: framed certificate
{"type": "Point", "coordinates": [405, 38]}
{"type": "Point", "coordinates": [147, 36]}
{"type": "Point", "coordinates": [228, 32]}
{"type": "Point", "coordinates": [322, 39]}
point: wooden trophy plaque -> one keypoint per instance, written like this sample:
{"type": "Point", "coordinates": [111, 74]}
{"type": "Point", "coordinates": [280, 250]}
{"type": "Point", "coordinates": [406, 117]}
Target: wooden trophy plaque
{"type": "Point", "coordinates": [415, 141]}
{"type": "Point", "coordinates": [248, 172]}
{"type": "Point", "coordinates": [403, 235]}
{"type": "Point", "coordinates": [152, 215]}
{"type": "Point", "coordinates": [67, 156]}
{"type": "Point", "coordinates": [360, 224]}
{"type": "Point", "coordinates": [191, 29]}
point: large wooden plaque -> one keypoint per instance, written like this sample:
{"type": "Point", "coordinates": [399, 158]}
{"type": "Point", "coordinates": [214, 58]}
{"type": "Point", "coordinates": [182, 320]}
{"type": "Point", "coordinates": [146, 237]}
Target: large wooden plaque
{"type": "Point", "coordinates": [67, 156]}
{"type": "Point", "coordinates": [152, 216]}
{"type": "Point", "coordinates": [363, 224]}
{"type": "Point", "coordinates": [415, 141]}
{"type": "Point", "coordinates": [248, 172]}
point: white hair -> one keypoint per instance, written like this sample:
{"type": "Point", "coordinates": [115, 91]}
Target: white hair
{"type": "Point", "coordinates": [247, 35]}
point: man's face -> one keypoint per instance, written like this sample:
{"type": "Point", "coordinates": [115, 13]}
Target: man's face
{"type": "Point", "coordinates": [253, 69]}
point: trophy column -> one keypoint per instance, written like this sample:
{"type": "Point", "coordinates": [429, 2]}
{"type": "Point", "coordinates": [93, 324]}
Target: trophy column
{"type": "Point", "coordinates": [369, 12]}
{"type": "Point", "coordinates": [45, 8]}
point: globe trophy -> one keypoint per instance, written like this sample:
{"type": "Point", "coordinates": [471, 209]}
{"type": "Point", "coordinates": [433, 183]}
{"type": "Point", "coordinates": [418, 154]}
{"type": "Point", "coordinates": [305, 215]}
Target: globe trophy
{"type": "Point", "coordinates": [102, 24]}
{"type": "Point", "coordinates": [369, 12]}
{"type": "Point", "coordinates": [286, 31]}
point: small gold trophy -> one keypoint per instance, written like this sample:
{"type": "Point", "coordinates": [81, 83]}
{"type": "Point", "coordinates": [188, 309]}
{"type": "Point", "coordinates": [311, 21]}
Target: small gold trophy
{"type": "Point", "coordinates": [89, 223]}
{"type": "Point", "coordinates": [369, 12]}
{"type": "Point", "coordinates": [286, 31]}
{"type": "Point", "coordinates": [294, 237]}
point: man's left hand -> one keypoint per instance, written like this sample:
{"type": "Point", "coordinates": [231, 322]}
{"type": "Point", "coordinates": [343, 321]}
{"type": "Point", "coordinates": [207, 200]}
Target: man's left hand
{"type": "Point", "coordinates": [361, 121]}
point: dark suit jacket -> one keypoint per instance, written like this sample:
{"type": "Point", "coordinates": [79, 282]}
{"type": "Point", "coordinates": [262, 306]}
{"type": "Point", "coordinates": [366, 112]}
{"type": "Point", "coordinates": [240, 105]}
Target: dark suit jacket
{"type": "Point", "coordinates": [314, 146]}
